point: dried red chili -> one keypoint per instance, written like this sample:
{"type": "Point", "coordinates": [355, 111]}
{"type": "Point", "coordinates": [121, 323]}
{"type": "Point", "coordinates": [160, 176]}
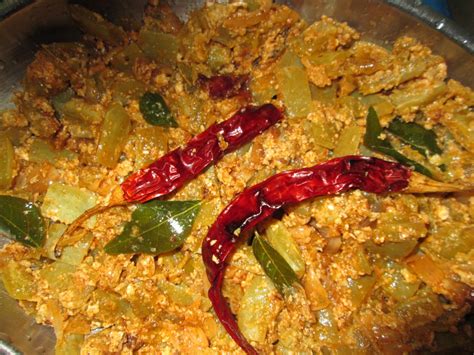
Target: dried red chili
{"type": "Point", "coordinates": [260, 201]}
{"type": "Point", "coordinates": [224, 86]}
{"type": "Point", "coordinates": [174, 169]}
{"type": "Point", "coordinates": [179, 166]}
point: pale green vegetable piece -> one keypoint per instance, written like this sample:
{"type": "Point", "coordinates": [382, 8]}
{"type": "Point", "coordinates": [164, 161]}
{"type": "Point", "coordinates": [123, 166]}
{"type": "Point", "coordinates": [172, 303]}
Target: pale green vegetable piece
{"type": "Point", "coordinates": [7, 161]}
{"type": "Point", "coordinates": [192, 107]}
{"type": "Point", "coordinates": [188, 72]}
{"type": "Point", "coordinates": [366, 152]}
{"type": "Point", "coordinates": [111, 305]}
{"type": "Point", "coordinates": [327, 327]}
{"type": "Point", "coordinates": [360, 261]}
{"type": "Point", "coordinates": [394, 250]}
{"type": "Point", "coordinates": [261, 175]}
{"type": "Point", "coordinates": [74, 254]}
{"type": "Point", "coordinates": [294, 87]}
{"type": "Point", "coordinates": [60, 278]}
{"type": "Point", "coordinates": [281, 239]}
{"type": "Point", "coordinates": [407, 70]}
{"type": "Point", "coordinates": [41, 151]}
{"type": "Point", "coordinates": [18, 282]}
{"type": "Point", "coordinates": [263, 89]}
{"type": "Point", "coordinates": [76, 110]}
{"type": "Point", "coordinates": [325, 95]}
{"type": "Point", "coordinates": [395, 284]}
{"type": "Point", "coordinates": [329, 58]}
{"type": "Point", "coordinates": [77, 115]}
{"type": "Point", "coordinates": [356, 108]}
{"type": "Point", "coordinates": [58, 275]}
{"type": "Point", "coordinates": [113, 137]}
{"type": "Point", "coordinates": [81, 130]}
{"type": "Point", "coordinates": [317, 36]}
{"type": "Point", "coordinates": [218, 56]}
{"type": "Point", "coordinates": [402, 99]}
{"type": "Point", "coordinates": [398, 226]}
{"type": "Point", "coordinates": [125, 89]}
{"type": "Point", "coordinates": [162, 47]}
{"type": "Point", "coordinates": [413, 69]}
{"type": "Point", "coordinates": [380, 103]}
{"type": "Point", "coordinates": [69, 345]}
{"type": "Point", "coordinates": [64, 203]}
{"type": "Point", "coordinates": [281, 349]}
{"type": "Point", "coordinates": [315, 291]}
{"type": "Point", "coordinates": [449, 239]}
{"type": "Point", "coordinates": [252, 5]}
{"type": "Point", "coordinates": [360, 288]}
{"type": "Point", "coordinates": [209, 211]}
{"type": "Point", "coordinates": [124, 60]}
{"type": "Point", "coordinates": [420, 310]}
{"type": "Point", "coordinates": [349, 140]}
{"type": "Point", "coordinates": [322, 131]}
{"type": "Point", "coordinates": [146, 144]}
{"type": "Point", "coordinates": [258, 309]}
{"type": "Point", "coordinates": [95, 25]}
{"type": "Point", "coordinates": [246, 260]}
{"type": "Point", "coordinates": [289, 59]}
{"type": "Point", "coordinates": [16, 135]}
{"type": "Point", "coordinates": [179, 294]}
{"type": "Point", "coordinates": [461, 127]}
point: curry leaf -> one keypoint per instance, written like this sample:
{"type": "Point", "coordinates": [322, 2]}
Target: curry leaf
{"type": "Point", "coordinates": [418, 137]}
{"type": "Point", "coordinates": [274, 265]}
{"type": "Point", "coordinates": [373, 142]}
{"type": "Point", "coordinates": [21, 220]}
{"type": "Point", "coordinates": [156, 227]}
{"type": "Point", "coordinates": [155, 111]}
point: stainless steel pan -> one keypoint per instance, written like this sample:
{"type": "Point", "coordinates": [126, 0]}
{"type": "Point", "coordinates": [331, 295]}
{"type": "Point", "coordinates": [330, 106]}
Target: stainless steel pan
{"type": "Point", "coordinates": [46, 21]}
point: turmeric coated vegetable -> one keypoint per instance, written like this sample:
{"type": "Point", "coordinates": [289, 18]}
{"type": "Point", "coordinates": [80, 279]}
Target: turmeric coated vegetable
{"type": "Point", "coordinates": [7, 160]}
{"type": "Point", "coordinates": [114, 133]}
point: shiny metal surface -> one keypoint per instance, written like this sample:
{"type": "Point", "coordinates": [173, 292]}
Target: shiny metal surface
{"type": "Point", "coordinates": [47, 21]}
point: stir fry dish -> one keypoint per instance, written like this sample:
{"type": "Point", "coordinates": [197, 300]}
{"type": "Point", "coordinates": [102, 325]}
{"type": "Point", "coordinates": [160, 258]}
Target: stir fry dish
{"type": "Point", "coordinates": [239, 182]}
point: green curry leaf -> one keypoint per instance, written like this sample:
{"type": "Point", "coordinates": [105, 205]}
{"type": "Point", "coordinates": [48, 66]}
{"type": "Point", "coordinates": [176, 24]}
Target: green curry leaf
{"type": "Point", "coordinates": [21, 220]}
{"type": "Point", "coordinates": [274, 265]}
{"type": "Point", "coordinates": [417, 136]}
{"type": "Point", "coordinates": [156, 227]}
{"type": "Point", "coordinates": [155, 111]}
{"type": "Point", "coordinates": [373, 142]}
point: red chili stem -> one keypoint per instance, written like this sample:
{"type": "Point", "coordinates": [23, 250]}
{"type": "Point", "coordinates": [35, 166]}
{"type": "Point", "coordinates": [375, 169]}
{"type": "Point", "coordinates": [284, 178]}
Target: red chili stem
{"type": "Point", "coordinates": [260, 201]}
{"type": "Point", "coordinates": [179, 166]}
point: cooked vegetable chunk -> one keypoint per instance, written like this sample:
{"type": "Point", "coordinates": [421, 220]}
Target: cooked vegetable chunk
{"type": "Point", "coordinates": [113, 137]}
{"type": "Point", "coordinates": [281, 239]}
{"type": "Point", "coordinates": [64, 203]}
{"type": "Point", "coordinates": [294, 87]}
{"type": "Point", "coordinates": [7, 161]}
{"type": "Point", "coordinates": [162, 47]}
{"type": "Point", "coordinates": [258, 308]}
{"type": "Point", "coordinates": [95, 25]}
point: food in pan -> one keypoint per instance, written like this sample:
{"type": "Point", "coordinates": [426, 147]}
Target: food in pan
{"type": "Point", "coordinates": [241, 181]}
